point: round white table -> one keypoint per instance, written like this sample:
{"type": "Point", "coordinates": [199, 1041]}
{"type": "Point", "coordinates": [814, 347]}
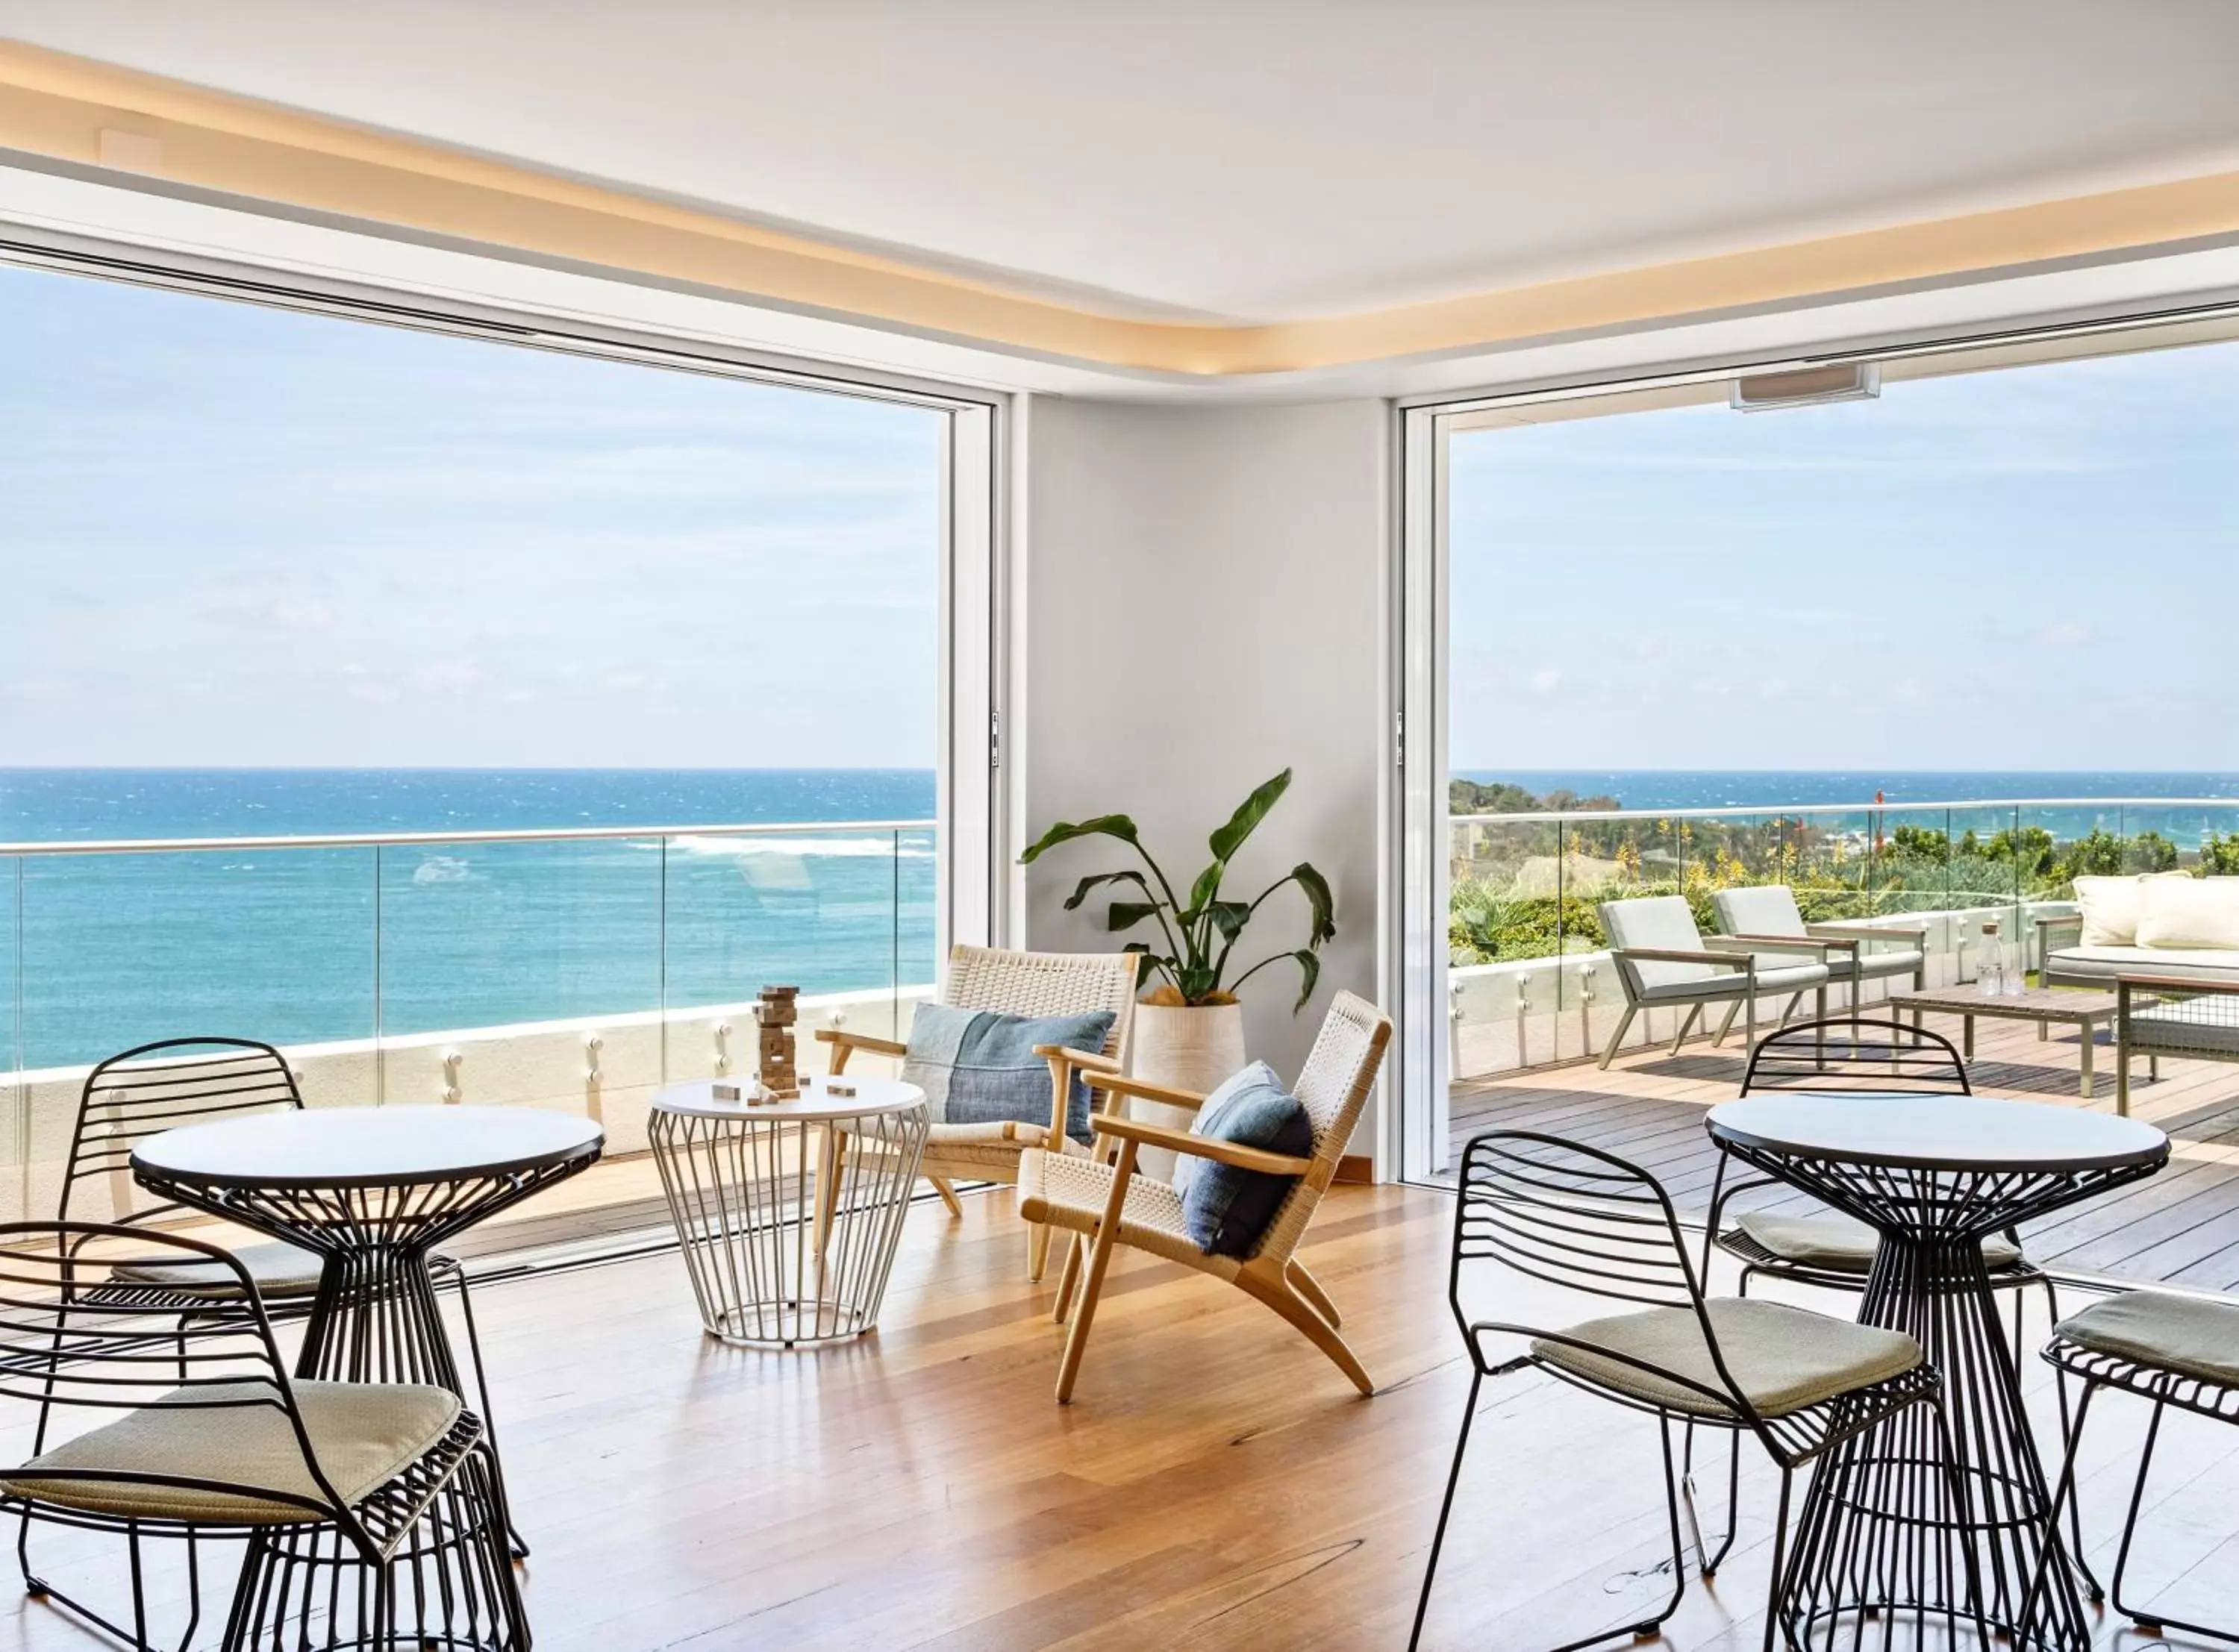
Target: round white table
{"type": "Point", "coordinates": [789, 1213]}
{"type": "Point", "coordinates": [1935, 1176]}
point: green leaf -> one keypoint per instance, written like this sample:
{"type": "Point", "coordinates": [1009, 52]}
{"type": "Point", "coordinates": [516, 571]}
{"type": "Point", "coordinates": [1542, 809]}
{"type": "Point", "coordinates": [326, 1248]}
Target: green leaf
{"type": "Point", "coordinates": [1229, 918]}
{"type": "Point", "coordinates": [1082, 889]}
{"type": "Point", "coordinates": [1197, 984]}
{"type": "Point", "coordinates": [1104, 826]}
{"type": "Point", "coordinates": [1310, 970]}
{"type": "Point", "coordinates": [1150, 962]}
{"type": "Point", "coordinates": [1227, 841]}
{"type": "Point", "coordinates": [1125, 914]}
{"type": "Point", "coordinates": [1208, 885]}
{"type": "Point", "coordinates": [1317, 897]}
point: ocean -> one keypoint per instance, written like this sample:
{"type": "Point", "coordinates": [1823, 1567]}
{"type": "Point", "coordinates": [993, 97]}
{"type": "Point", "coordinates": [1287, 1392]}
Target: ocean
{"type": "Point", "coordinates": [293, 945]}
{"type": "Point", "coordinates": [1787, 788]}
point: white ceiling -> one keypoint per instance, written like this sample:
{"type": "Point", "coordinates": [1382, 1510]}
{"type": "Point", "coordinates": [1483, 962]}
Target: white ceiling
{"type": "Point", "coordinates": [1254, 160]}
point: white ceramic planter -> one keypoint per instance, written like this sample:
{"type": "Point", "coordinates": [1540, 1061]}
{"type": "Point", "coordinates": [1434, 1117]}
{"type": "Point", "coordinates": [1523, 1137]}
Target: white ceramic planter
{"type": "Point", "coordinates": [1187, 1048]}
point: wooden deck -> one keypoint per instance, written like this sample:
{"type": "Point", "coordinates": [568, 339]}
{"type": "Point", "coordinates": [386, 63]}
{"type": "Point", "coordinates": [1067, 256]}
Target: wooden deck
{"type": "Point", "coordinates": [2181, 1227]}
{"type": "Point", "coordinates": [1216, 1485]}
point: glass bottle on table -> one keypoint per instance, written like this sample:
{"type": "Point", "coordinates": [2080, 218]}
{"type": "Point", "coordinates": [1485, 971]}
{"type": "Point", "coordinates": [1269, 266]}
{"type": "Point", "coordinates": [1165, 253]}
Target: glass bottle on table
{"type": "Point", "coordinates": [1990, 963]}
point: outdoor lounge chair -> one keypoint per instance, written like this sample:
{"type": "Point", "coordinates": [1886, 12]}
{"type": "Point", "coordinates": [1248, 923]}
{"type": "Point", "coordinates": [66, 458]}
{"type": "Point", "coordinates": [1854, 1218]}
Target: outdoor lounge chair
{"type": "Point", "coordinates": [1766, 918]}
{"type": "Point", "coordinates": [1662, 958]}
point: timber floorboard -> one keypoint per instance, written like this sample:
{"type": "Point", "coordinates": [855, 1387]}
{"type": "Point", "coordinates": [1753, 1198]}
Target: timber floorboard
{"type": "Point", "coordinates": [1216, 1484]}
{"type": "Point", "coordinates": [2181, 1227]}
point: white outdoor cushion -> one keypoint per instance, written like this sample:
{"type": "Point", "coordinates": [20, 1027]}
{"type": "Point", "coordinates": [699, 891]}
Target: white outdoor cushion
{"type": "Point", "coordinates": [2110, 906]}
{"type": "Point", "coordinates": [1841, 1243]}
{"type": "Point", "coordinates": [2105, 963]}
{"type": "Point", "coordinates": [364, 1433]}
{"type": "Point", "coordinates": [1781, 1358]}
{"type": "Point", "coordinates": [2189, 1334]}
{"type": "Point", "coordinates": [2190, 912]}
{"type": "Point", "coordinates": [1769, 909]}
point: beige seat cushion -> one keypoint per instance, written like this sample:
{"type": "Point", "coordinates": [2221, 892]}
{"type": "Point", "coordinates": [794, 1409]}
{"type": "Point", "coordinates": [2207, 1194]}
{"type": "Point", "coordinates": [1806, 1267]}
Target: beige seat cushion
{"type": "Point", "coordinates": [364, 1433]}
{"type": "Point", "coordinates": [1069, 1192]}
{"type": "Point", "coordinates": [2188, 1335]}
{"type": "Point", "coordinates": [279, 1270]}
{"type": "Point", "coordinates": [1840, 1243]}
{"type": "Point", "coordinates": [1783, 1358]}
{"type": "Point", "coordinates": [2105, 963]}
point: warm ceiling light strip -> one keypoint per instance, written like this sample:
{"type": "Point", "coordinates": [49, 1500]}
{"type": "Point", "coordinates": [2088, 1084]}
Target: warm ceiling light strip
{"type": "Point", "coordinates": [59, 106]}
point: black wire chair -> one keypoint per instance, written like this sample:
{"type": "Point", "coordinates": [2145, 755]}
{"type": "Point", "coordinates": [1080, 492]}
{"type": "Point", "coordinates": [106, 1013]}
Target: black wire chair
{"type": "Point", "coordinates": [1572, 1216]}
{"type": "Point", "coordinates": [2112, 1344]}
{"type": "Point", "coordinates": [174, 1082]}
{"type": "Point", "coordinates": [337, 1487]}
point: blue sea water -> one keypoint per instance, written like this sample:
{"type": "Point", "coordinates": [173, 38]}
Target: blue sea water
{"type": "Point", "coordinates": [301, 945]}
{"type": "Point", "coordinates": [1788, 788]}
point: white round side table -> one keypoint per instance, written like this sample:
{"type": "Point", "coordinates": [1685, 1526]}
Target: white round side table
{"type": "Point", "coordinates": [789, 1213]}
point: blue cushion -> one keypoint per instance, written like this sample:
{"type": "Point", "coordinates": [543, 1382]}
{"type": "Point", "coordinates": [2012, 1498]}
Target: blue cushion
{"type": "Point", "coordinates": [977, 1068]}
{"type": "Point", "coordinates": [1226, 1209]}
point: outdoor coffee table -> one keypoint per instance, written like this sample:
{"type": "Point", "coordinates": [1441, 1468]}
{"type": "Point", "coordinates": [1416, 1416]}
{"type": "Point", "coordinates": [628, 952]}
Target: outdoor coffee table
{"type": "Point", "coordinates": [789, 1213]}
{"type": "Point", "coordinates": [2047, 1006]}
{"type": "Point", "coordinates": [1934, 1175]}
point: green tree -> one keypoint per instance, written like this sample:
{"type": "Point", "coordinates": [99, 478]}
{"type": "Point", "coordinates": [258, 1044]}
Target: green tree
{"type": "Point", "coordinates": [2219, 856]}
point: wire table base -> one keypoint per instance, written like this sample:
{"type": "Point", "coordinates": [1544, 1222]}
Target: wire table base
{"type": "Point", "coordinates": [1881, 1556]}
{"type": "Point", "coordinates": [788, 1214]}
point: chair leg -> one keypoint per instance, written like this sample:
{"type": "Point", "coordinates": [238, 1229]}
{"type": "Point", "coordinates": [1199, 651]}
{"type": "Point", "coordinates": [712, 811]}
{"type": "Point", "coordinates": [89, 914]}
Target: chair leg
{"type": "Point", "coordinates": [1623, 1022]}
{"type": "Point", "coordinates": [1068, 1279]}
{"type": "Point", "coordinates": [1038, 1244]}
{"type": "Point", "coordinates": [2149, 1619]}
{"type": "Point", "coordinates": [946, 1189]}
{"type": "Point", "coordinates": [1318, 1330]}
{"type": "Point", "coordinates": [1311, 1288]}
{"type": "Point", "coordinates": [1446, 1508]}
{"type": "Point", "coordinates": [1686, 1026]}
{"type": "Point", "coordinates": [1776, 1590]}
{"type": "Point", "coordinates": [1726, 1025]}
{"type": "Point", "coordinates": [1649, 1626]}
{"type": "Point", "coordinates": [516, 1543]}
{"type": "Point", "coordinates": [1076, 1340]}
{"type": "Point", "coordinates": [829, 1169]}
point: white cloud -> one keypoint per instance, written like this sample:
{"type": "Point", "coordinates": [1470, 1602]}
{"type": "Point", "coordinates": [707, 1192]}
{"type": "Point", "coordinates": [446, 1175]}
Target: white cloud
{"type": "Point", "coordinates": [2066, 633]}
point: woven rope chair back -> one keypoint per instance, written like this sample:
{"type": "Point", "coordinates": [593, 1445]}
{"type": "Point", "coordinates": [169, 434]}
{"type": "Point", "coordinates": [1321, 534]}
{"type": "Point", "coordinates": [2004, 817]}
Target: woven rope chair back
{"type": "Point", "coordinates": [1882, 1057]}
{"type": "Point", "coordinates": [74, 1335]}
{"type": "Point", "coordinates": [156, 1087]}
{"type": "Point", "coordinates": [983, 977]}
{"type": "Point", "coordinates": [1572, 1216]}
{"type": "Point", "coordinates": [1333, 1087]}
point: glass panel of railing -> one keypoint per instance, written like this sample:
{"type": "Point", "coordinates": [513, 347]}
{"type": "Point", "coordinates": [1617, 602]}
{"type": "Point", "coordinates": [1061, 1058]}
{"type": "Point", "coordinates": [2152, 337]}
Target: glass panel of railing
{"type": "Point", "coordinates": [2161, 837]}
{"type": "Point", "coordinates": [1506, 894]}
{"type": "Point", "coordinates": [121, 949]}
{"type": "Point", "coordinates": [2215, 852]}
{"type": "Point", "coordinates": [845, 913]}
{"type": "Point", "coordinates": [524, 974]}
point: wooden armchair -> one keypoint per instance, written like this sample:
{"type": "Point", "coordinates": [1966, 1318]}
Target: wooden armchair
{"type": "Point", "coordinates": [1104, 1202]}
{"type": "Point", "coordinates": [1033, 983]}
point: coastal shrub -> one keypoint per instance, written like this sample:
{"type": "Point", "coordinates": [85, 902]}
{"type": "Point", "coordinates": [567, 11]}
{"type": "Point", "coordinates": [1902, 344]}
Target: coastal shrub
{"type": "Point", "coordinates": [2219, 856]}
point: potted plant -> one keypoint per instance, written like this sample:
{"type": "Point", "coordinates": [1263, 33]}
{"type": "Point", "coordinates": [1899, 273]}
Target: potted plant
{"type": "Point", "coordinates": [1189, 1026]}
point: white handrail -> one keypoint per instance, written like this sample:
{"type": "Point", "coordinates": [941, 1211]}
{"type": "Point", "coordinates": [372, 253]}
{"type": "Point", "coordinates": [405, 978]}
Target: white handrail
{"type": "Point", "coordinates": [380, 840]}
{"type": "Point", "coordinates": [1783, 810]}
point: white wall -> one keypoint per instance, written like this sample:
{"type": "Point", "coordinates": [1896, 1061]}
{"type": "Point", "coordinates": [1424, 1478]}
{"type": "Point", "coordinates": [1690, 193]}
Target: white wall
{"type": "Point", "coordinates": [1203, 606]}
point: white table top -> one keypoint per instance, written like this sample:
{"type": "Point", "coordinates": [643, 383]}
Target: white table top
{"type": "Point", "coordinates": [368, 1147]}
{"type": "Point", "coordinates": [1937, 1133]}
{"type": "Point", "coordinates": [813, 1105]}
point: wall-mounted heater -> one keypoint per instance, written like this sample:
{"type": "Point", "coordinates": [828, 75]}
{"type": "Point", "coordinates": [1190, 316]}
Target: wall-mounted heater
{"type": "Point", "coordinates": [1806, 387]}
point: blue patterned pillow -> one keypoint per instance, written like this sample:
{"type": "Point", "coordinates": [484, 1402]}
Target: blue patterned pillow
{"type": "Point", "coordinates": [1224, 1209]}
{"type": "Point", "coordinates": [977, 1068]}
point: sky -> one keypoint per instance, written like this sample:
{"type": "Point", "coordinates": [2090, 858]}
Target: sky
{"type": "Point", "coordinates": [238, 536]}
{"type": "Point", "coordinates": [2036, 569]}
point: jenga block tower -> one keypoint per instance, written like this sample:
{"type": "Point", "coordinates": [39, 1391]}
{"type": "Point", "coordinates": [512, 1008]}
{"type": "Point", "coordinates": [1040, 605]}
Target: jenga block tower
{"type": "Point", "coordinates": [774, 1015]}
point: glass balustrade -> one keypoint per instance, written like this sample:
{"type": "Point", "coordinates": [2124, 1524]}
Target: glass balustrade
{"type": "Point", "coordinates": [580, 971]}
